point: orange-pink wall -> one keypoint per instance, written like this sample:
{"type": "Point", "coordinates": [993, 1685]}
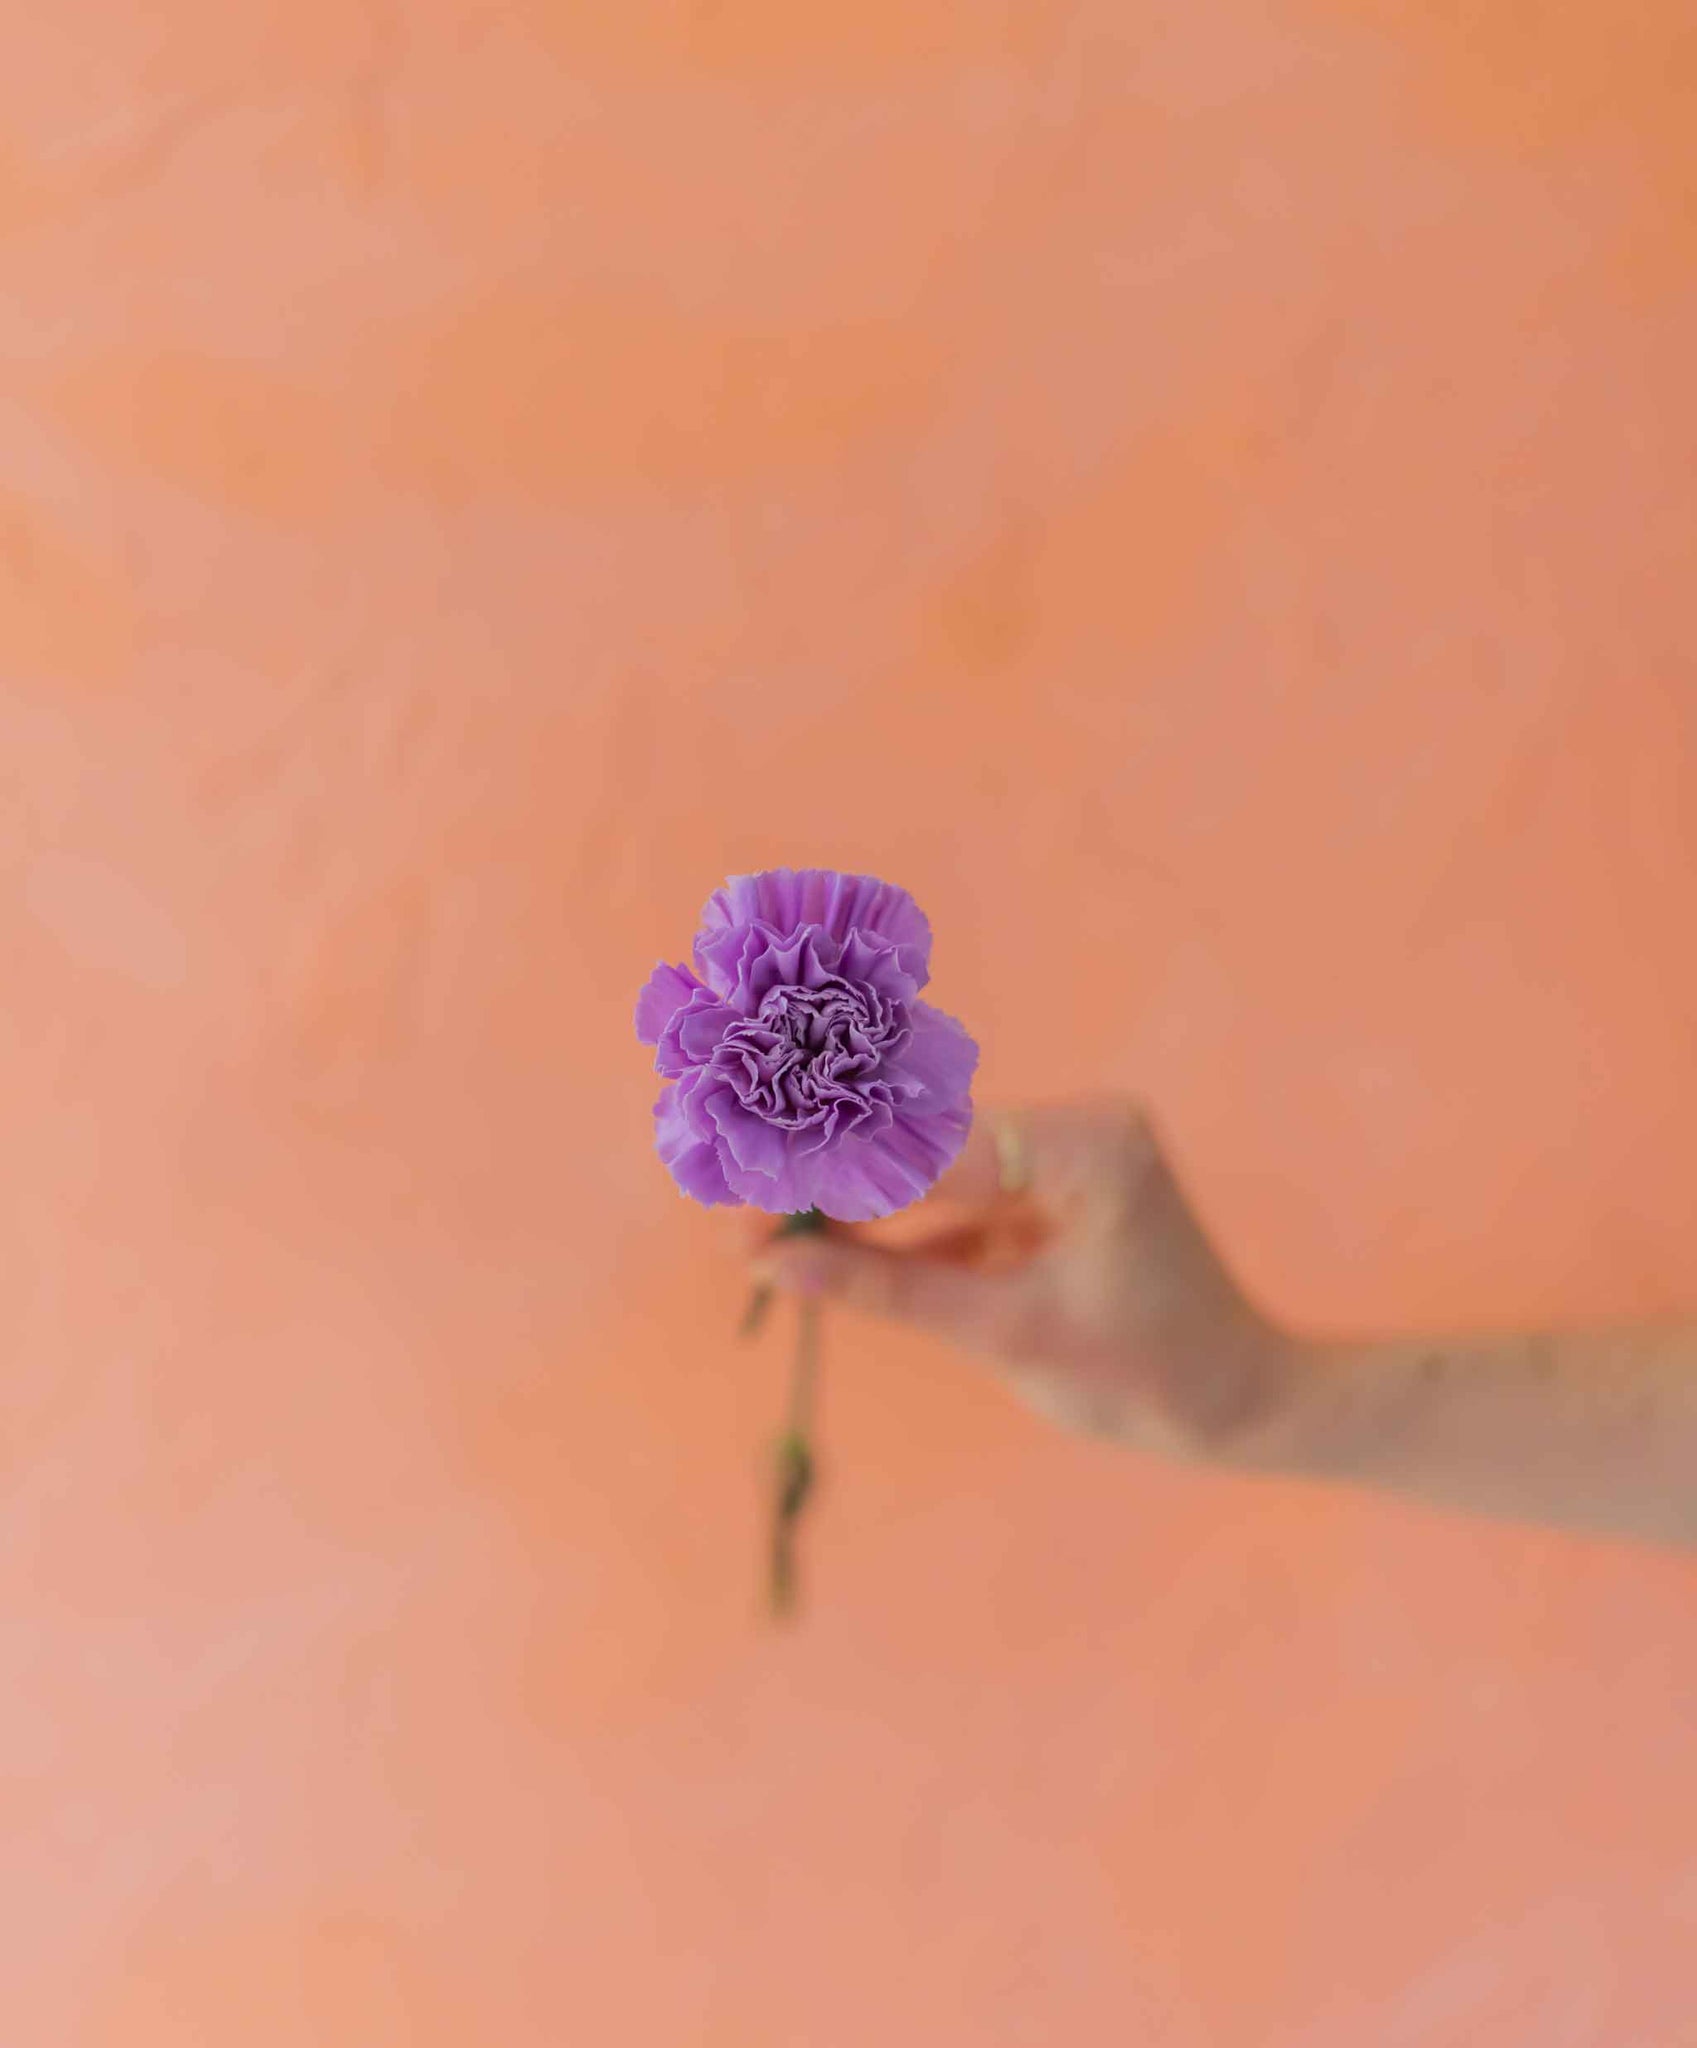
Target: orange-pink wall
{"type": "Point", "coordinates": [1202, 493]}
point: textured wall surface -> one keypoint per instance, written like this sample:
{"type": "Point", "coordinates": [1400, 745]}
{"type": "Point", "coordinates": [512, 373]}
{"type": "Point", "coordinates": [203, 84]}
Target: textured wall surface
{"type": "Point", "coordinates": [1202, 494]}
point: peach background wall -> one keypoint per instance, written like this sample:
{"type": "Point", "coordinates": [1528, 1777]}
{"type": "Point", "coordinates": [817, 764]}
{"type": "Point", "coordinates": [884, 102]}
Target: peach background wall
{"type": "Point", "coordinates": [1201, 493]}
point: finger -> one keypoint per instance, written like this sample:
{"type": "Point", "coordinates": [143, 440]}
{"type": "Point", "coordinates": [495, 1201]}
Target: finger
{"type": "Point", "coordinates": [975, 1178]}
{"type": "Point", "coordinates": [974, 1309]}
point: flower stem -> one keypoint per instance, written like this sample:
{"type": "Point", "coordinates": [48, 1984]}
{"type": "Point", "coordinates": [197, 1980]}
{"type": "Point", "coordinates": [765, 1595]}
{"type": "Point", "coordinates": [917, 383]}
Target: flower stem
{"type": "Point", "coordinates": [796, 1466]}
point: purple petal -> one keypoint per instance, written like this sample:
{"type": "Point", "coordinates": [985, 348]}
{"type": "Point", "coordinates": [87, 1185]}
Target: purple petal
{"type": "Point", "coordinates": [804, 963]}
{"type": "Point", "coordinates": [860, 1177]}
{"type": "Point", "coordinates": [694, 1095]}
{"type": "Point", "coordinates": [811, 1137]}
{"type": "Point", "coordinates": [725, 958]}
{"type": "Point", "coordinates": [786, 898]}
{"type": "Point", "coordinates": [784, 1195]}
{"type": "Point", "coordinates": [939, 1058]}
{"type": "Point", "coordinates": [692, 1033]}
{"type": "Point", "coordinates": [879, 964]}
{"type": "Point", "coordinates": [751, 1143]}
{"type": "Point", "coordinates": [665, 992]}
{"type": "Point", "coordinates": [692, 1160]}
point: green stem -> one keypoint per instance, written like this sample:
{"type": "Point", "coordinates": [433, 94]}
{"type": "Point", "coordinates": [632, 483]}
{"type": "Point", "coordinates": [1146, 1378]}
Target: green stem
{"type": "Point", "coordinates": [805, 1379]}
{"type": "Point", "coordinates": [796, 1465]}
{"type": "Point", "coordinates": [795, 1462]}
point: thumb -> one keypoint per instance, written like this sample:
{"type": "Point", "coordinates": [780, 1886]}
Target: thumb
{"type": "Point", "coordinates": [950, 1301]}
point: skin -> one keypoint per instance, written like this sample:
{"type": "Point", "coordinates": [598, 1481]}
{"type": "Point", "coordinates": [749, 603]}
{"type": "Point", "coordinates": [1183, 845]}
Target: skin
{"type": "Point", "coordinates": [1095, 1292]}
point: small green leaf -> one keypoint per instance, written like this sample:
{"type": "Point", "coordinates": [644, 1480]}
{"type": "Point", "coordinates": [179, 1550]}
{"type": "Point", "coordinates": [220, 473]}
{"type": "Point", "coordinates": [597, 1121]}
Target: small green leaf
{"type": "Point", "coordinates": [754, 1316]}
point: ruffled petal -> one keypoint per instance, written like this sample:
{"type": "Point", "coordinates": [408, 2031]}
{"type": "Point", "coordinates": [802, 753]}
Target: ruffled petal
{"type": "Point", "coordinates": [725, 957]}
{"type": "Point", "coordinates": [751, 1142]}
{"type": "Point", "coordinates": [786, 898]}
{"type": "Point", "coordinates": [664, 993]}
{"type": "Point", "coordinates": [878, 963]}
{"type": "Point", "coordinates": [696, 1092]}
{"type": "Point", "coordinates": [863, 1177]}
{"type": "Point", "coordinates": [692, 1160]}
{"type": "Point", "coordinates": [692, 1033]}
{"type": "Point", "coordinates": [806, 961]}
{"type": "Point", "coordinates": [781, 1194]}
{"type": "Point", "coordinates": [939, 1059]}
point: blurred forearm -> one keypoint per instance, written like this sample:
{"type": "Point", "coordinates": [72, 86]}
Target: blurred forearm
{"type": "Point", "coordinates": [1589, 1430]}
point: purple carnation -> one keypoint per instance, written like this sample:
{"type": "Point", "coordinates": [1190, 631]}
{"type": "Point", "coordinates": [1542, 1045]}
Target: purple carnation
{"type": "Point", "coordinates": [802, 1070]}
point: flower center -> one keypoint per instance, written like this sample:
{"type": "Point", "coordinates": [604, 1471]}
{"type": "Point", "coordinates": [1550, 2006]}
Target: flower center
{"type": "Point", "coordinates": [813, 1053]}
{"type": "Point", "coordinates": [814, 1020]}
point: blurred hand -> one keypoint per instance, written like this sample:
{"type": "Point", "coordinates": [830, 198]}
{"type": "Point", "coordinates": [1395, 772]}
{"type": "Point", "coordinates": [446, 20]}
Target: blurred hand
{"type": "Point", "coordinates": [1087, 1283]}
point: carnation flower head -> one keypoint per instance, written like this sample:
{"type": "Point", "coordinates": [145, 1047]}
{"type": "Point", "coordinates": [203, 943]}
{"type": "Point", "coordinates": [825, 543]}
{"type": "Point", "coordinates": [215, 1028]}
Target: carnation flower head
{"type": "Point", "coordinates": [802, 1070]}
